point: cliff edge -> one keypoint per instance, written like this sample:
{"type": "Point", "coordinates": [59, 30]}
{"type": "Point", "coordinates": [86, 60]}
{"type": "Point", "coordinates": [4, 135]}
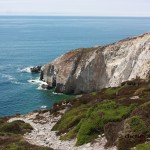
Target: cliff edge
{"type": "Point", "coordinates": [91, 69]}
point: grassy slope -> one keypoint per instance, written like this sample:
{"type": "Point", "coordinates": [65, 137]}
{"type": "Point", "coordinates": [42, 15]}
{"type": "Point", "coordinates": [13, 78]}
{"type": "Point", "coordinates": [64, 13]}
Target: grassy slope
{"type": "Point", "coordinates": [113, 111]}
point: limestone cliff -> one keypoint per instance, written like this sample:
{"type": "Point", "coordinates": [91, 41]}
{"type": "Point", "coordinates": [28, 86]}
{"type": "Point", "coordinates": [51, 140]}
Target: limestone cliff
{"type": "Point", "coordinates": [91, 69]}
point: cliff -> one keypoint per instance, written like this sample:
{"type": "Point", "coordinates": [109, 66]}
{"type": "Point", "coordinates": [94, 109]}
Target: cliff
{"type": "Point", "coordinates": [91, 69]}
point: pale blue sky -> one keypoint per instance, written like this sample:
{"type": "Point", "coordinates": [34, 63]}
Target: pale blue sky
{"type": "Point", "coordinates": [76, 7]}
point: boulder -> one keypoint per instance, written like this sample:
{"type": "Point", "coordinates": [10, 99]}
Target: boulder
{"type": "Point", "coordinates": [46, 86]}
{"type": "Point", "coordinates": [36, 69]}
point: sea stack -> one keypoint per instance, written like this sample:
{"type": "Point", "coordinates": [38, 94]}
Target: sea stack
{"type": "Point", "coordinates": [91, 69]}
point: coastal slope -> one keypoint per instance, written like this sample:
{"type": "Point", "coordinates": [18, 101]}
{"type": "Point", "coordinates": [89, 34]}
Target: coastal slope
{"type": "Point", "coordinates": [86, 70]}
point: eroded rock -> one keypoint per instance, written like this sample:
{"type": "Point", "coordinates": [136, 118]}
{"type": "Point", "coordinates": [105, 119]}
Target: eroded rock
{"type": "Point", "coordinates": [91, 69]}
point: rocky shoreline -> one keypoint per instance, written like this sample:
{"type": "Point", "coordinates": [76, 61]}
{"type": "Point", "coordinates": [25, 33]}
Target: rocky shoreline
{"type": "Point", "coordinates": [42, 135]}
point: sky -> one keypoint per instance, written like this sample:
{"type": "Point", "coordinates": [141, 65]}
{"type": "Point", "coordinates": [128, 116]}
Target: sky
{"type": "Point", "coordinates": [76, 7]}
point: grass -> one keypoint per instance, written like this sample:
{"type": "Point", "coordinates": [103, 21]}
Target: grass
{"type": "Point", "coordinates": [93, 93]}
{"type": "Point", "coordinates": [22, 145]}
{"type": "Point", "coordinates": [112, 91]}
{"type": "Point", "coordinates": [137, 125]}
{"type": "Point", "coordinates": [91, 113]}
{"type": "Point", "coordinates": [71, 118]}
{"type": "Point", "coordinates": [143, 146]}
{"type": "Point", "coordinates": [136, 128]}
{"type": "Point", "coordinates": [97, 117]}
{"type": "Point", "coordinates": [87, 122]}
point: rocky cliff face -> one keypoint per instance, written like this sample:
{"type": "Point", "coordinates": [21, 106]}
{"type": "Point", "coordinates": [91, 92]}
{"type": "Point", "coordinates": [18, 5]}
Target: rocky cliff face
{"type": "Point", "coordinates": [91, 69]}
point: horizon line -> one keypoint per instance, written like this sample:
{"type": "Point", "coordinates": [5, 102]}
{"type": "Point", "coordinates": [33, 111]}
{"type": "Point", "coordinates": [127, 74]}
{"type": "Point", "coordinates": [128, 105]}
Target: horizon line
{"type": "Point", "coordinates": [27, 15]}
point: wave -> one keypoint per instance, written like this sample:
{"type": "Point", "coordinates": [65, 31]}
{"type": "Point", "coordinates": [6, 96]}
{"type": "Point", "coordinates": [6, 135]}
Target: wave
{"type": "Point", "coordinates": [40, 88]}
{"type": "Point", "coordinates": [26, 69]}
{"type": "Point", "coordinates": [37, 81]}
{"type": "Point", "coordinates": [17, 82]}
{"type": "Point", "coordinates": [57, 93]}
{"type": "Point", "coordinates": [8, 77]}
{"type": "Point", "coordinates": [43, 107]}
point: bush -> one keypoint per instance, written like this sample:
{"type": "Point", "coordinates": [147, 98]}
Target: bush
{"type": "Point", "coordinates": [16, 127]}
{"type": "Point", "coordinates": [137, 125]}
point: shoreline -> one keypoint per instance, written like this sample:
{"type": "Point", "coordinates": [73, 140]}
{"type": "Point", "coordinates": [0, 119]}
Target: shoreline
{"type": "Point", "coordinates": [41, 135]}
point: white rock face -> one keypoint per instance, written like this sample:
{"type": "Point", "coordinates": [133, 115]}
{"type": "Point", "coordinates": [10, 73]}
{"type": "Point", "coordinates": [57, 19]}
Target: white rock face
{"type": "Point", "coordinates": [91, 69]}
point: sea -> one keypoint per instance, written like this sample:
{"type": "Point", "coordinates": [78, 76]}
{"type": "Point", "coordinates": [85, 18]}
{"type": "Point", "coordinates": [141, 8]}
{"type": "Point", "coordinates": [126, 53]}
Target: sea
{"type": "Point", "coordinates": [27, 41]}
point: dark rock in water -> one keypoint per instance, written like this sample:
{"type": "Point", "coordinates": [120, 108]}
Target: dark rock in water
{"type": "Point", "coordinates": [45, 86]}
{"type": "Point", "coordinates": [36, 69]}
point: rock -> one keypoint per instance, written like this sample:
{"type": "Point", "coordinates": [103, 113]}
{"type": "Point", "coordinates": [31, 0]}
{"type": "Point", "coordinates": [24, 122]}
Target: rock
{"type": "Point", "coordinates": [36, 69]}
{"type": "Point", "coordinates": [45, 86]}
{"type": "Point", "coordinates": [134, 97]}
{"type": "Point", "coordinates": [111, 130]}
{"type": "Point", "coordinates": [91, 69]}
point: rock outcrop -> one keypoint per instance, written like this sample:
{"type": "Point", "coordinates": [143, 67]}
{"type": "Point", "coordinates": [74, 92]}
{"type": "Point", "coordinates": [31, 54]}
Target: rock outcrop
{"type": "Point", "coordinates": [91, 69]}
{"type": "Point", "coordinates": [36, 69]}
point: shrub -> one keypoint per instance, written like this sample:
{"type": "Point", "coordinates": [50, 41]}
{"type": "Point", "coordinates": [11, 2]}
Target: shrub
{"type": "Point", "coordinates": [16, 127]}
{"type": "Point", "coordinates": [137, 125]}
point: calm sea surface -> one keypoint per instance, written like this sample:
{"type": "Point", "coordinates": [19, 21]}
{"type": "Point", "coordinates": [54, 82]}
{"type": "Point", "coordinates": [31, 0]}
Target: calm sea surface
{"type": "Point", "coordinates": [29, 41]}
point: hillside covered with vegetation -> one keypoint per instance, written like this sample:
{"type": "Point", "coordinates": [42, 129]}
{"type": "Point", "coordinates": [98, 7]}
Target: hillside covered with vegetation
{"type": "Point", "coordinates": [121, 114]}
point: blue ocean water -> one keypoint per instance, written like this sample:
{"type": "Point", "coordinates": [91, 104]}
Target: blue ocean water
{"type": "Point", "coordinates": [29, 41]}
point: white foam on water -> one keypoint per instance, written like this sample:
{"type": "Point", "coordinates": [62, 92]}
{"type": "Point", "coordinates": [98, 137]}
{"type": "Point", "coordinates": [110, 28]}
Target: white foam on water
{"type": "Point", "coordinates": [43, 107]}
{"type": "Point", "coordinates": [96, 46]}
{"type": "Point", "coordinates": [40, 88]}
{"type": "Point", "coordinates": [16, 82]}
{"type": "Point", "coordinates": [8, 77]}
{"type": "Point", "coordinates": [57, 93]}
{"type": "Point", "coordinates": [37, 81]}
{"type": "Point", "coordinates": [27, 69]}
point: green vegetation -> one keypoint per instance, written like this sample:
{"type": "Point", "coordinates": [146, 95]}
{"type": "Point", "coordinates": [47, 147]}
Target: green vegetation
{"type": "Point", "coordinates": [97, 117]}
{"type": "Point", "coordinates": [71, 118]}
{"type": "Point", "coordinates": [111, 112]}
{"type": "Point", "coordinates": [93, 93]}
{"type": "Point", "coordinates": [143, 146]}
{"type": "Point", "coordinates": [137, 125]}
{"type": "Point", "coordinates": [86, 123]}
{"type": "Point", "coordinates": [16, 127]}
{"type": "Point", "coordinates": [11, 136]}
{"type": "Point", "coordinates": [23, 145]}
{"type": "Point", "coordinates": [136, 128]}
{"type": "Point", "coordinates": [112, 91]}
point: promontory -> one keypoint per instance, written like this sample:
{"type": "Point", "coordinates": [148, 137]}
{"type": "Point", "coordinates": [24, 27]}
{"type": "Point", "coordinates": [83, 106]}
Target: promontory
{"type": "Point", "coordinates": [86, 70]}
